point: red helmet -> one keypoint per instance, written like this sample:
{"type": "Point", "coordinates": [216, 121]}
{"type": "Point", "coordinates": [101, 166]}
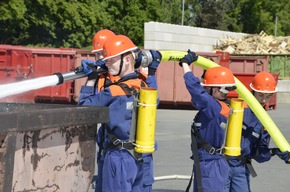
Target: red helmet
{"type": "Point", "coordinates": [219, 76]}
{"type": "Point", "coordinates": [118, 45]}
{"type": "Point", "coordinates": [100, 38]}
{"type": "Point", "coordinates": [264, 82]}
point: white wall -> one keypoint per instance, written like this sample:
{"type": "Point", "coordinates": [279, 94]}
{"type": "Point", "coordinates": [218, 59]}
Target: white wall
{"type": "Point", "coordinates": [283, 95]}
{"type": "Point", "coordinates": [164, 36]}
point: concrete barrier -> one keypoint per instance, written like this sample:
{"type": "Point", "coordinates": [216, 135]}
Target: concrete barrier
{"type": "Point", "coordinates": [47, 147]}
{"type": "Point", "coordinates": [283, 94]}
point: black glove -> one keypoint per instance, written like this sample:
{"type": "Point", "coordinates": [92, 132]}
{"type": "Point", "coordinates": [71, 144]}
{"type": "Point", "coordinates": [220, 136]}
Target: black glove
{"type": "Point", "coordinates": [282, 155]}
{"type": "Point", "coordinates": [156, 56]}
{"type": "Point", "coordinates": [138, 60]}
{"type": "Point", "coordinates": [102, 64]}
{"type": "Point", "coordinates": [189, 58]}
{"type": "Point", "coordinates": [89, 68]}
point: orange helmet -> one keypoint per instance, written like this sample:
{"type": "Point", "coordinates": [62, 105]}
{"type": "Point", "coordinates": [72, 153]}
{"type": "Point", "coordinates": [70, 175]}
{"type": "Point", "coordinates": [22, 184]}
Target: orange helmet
{"type": "Point", "coordinates": [264, 82]}
{"type": "Point", "coordinates": [219, 76]}
{"type": "Point", "coordinates": [100, 38]}
{"type": "Point", "coordinates": [118, 45]}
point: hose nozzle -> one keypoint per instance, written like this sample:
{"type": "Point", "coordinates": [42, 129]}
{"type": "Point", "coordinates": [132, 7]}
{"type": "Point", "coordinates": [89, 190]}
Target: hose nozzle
{"type": "Point", "coordinates": [146, 58]}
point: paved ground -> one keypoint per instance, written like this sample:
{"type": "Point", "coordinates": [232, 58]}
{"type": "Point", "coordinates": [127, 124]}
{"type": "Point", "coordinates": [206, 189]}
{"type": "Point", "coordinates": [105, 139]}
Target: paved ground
{"type": "Point", "coordinates": [172, 158]}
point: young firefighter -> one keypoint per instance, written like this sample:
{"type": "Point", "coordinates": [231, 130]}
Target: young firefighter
{"type": "Point", "coordinates": [255, 139]}
{"type": "Point", "coordinates": [95, 77]}
{"type": "Point", "coordinates": [102, 80]}
{"type": "Point", "coordinates": [122, 170]}
{"type": "Point", "coordinates": [208, 129]}
{"type": "Point", "coordinates": [98, 80]}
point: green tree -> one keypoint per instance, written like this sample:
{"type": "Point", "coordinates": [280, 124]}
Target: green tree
{"type": "Point", "coordinates": [232, 16]}
{"type": "Point", "coordinates": [171, 11]}
{"type": "Point", "coordinates": [259, 15]}
{"type": "Point", "coordinates": [61, 23]}
{"type": "Point", "coordinates": [214, 14]}
{"type": "Point", "coordinates": [279, 9]}
{"type": "Point", "coordinates": [251, 14]}
{"type": "Point", "coordinates": [128, 17]}
{"type": "Point", "coordinates": [48, 22]}
{"type": "Point", "coordinates": [73, 23]}
{"type": "Point", "coordinates": [13, 21]}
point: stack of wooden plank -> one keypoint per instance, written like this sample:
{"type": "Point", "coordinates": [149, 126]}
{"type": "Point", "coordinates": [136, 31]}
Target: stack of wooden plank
{"type": "Point", "coordinates": [255, 44]}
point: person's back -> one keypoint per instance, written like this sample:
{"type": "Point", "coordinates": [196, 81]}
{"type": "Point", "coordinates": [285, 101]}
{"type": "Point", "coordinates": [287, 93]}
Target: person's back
{"type": "Point", "coordinates": [208, 128]}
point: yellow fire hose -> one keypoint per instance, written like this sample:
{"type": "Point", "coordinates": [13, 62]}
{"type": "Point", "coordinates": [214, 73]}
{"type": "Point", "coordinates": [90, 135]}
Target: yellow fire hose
{"type": "Point", "coordinates": [244, 93]}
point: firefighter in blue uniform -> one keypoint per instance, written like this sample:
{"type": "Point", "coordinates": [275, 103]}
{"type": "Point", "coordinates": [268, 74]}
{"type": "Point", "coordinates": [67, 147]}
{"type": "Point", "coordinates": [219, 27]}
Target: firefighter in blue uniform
{"type": "Point", "coordinates": [97, 73]}
{"type": "Point", "coordinates": [122, 170]}
{"type": "Point", "coordinates": [255, 139]}
{"type": "Point", "coordinates": [208, 128]}
{"type": "Point", "coordinates": [99, 80]}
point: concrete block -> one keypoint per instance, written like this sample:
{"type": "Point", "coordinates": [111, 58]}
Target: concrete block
{"type": "Point", "coordinates": [283, 86]}
{"type": "Point", "coordinates": [200, 38]}
{"type": "Point", "coordinates": [283, 97]}
{"type": "Point", "coordinates": [283, 93]}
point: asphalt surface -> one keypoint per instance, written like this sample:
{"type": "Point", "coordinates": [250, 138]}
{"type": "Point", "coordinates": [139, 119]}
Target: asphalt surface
{"type": "Point", "coordinates": [173, 167]}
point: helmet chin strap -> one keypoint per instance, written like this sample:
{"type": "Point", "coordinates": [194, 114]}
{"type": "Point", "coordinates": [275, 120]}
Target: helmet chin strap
{"type": "Point", "coordinates": [121, 65]}
{"type": "Point", "coordinates": [211, 91]}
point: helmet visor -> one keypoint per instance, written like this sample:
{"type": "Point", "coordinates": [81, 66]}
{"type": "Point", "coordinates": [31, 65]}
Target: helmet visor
{"type": "Point", "coordinates": [226, 90]}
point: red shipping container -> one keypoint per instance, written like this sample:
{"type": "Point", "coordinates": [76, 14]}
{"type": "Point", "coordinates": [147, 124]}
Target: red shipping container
{"type": "Point", "coordinates": [20, 63]}
{"type": "Point", "coordinates": [171, 87]}
{"type": "Point", "coordinates": [246, 79]}
{"type": "Point", "coordinates": [272, 104]}
{"type": "Point", "coordinates": [248, 63]}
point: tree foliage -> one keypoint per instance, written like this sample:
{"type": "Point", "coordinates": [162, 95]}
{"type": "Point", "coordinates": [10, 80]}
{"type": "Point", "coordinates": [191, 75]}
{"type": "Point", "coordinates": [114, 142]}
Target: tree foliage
{"type": "Point", "coordinates": [72, 23]}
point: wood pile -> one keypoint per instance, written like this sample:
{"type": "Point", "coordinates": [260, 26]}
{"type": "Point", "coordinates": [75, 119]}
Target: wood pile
{"type": "Point", "coordinates": [255, 44]}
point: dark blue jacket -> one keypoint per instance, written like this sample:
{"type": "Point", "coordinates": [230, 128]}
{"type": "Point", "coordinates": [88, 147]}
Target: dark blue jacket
{"type": "Point", "coordinates": [120, 105]}
{"type": "Point", "coordinates": [212, 116]}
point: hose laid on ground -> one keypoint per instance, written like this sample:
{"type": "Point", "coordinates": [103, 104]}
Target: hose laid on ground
{"type": "Point", "coordinates": [171, 177]}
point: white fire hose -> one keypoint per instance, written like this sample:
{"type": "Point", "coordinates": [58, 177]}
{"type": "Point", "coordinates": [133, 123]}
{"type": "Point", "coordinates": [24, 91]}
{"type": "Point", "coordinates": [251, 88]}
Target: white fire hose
{"type": "Point", "coordinates": [172, 177]}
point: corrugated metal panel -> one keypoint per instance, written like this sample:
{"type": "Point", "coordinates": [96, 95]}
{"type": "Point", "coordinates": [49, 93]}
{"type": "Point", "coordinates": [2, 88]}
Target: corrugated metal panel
{"type": "Point", "coordinates": [246, 79]}
{"type": "Point", "coordinates": [171, 87]}
{"type": "Point", "coordinates": [16, 65]}
{"type": "Point", "coordinates": [80, 55]}
{"type": "Point", "coordinates": [248, 63]}
{"type": "Point", "coordinates": [166, 79]}
{"type": "Point", "coordinates": [19, 63]}
{"type": "Point", "coordinates": [273, 101]}
{"type": "Point", "coordinates": [48, 63]}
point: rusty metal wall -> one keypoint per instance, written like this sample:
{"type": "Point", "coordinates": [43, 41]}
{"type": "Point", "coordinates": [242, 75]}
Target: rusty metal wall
{"type": "Point", "coordinates": [56, 159]}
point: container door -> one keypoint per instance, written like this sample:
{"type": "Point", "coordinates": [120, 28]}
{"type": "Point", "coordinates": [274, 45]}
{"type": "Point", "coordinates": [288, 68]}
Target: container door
{"type": "Point", "coordinates": [48, 63]}
{"type": "Point", "coordinates": [16, 65]}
